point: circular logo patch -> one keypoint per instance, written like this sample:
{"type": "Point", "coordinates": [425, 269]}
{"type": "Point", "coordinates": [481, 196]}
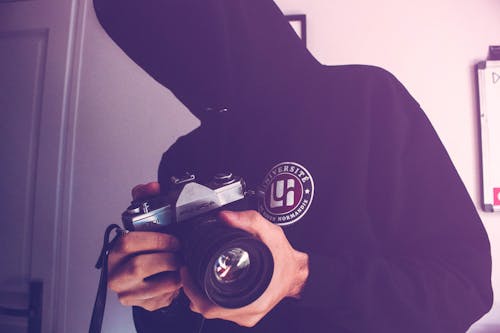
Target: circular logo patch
{"type": "Point", "coordinates": [286, 193]}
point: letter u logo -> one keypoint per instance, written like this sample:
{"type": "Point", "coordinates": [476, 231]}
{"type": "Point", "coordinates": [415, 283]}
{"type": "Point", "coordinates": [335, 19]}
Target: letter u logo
{"type": "Point", "coordinates": [281, 195]}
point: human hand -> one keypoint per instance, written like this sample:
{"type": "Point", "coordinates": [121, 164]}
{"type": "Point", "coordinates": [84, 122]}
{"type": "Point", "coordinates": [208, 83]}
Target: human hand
{"type": "Point", "coordinates": [290, 273]}
{"type": "Point", "coordinates": [143, 266]}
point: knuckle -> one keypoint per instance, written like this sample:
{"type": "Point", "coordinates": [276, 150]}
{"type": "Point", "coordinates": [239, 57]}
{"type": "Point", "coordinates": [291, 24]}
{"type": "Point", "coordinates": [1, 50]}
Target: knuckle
{"type": "Point", "coordinates": [168, 300]}
{"type": "Point", "coordinates": [164, 299]}
{"type": "Point", "coordinates": [159, 241]}
{"type": "Point", "coordinates": [113, 258]}
{"type": "Point", "coordinates": [209, 314]}
{"type": "Point", "coordinates": [162, 241]}
{"type": "Point", "coordinates": [119, 246]}
{"type": "Point", "coordinates": [253, 215]}
{"type": "Point", "coordinates": [206, 312]}
{"type": "Point", "coordinates": [194, 308]}
{"type": "Point", "coordinates": [113, 285]}
{"type": "Point", "coordinates": [151, 306]}
{"type": "Point", "coordinates": [250, 321]}
{"type": "Point", "coordinates": [126, 301]}
{"type": "Point", "coordinates": [124, 245]}
{"type": "Point", "coordinates": [253, 321]}
{"type": "Point", "coordinates": [135, 268]}
{"type": "Point", "coordinates": [260, 308]}
{"type": "Point", "coordinates": [172, 243]}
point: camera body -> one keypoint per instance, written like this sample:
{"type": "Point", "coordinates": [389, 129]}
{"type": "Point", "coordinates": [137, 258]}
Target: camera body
{"type": "Point", "coordinates": [232, 267]}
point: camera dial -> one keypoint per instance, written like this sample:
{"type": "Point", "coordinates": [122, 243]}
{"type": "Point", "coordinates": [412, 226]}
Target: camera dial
{"type": "Point", "coordinates": [223, 178]}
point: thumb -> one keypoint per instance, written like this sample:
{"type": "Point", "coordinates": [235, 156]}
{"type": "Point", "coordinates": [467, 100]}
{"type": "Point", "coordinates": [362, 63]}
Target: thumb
{"type": "Point", "coordinates": [250, 221]}
{"type": "Point", "coordinates": [145, 190]}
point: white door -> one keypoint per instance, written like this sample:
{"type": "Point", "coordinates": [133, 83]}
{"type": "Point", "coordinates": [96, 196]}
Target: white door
{"type": "Point", "coordinates": [80, 124]}
{"type": "Point", "coordinates": [34, 54]}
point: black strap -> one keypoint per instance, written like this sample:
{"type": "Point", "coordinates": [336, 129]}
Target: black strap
{"type": "Point", "coordinates": [102, 263]}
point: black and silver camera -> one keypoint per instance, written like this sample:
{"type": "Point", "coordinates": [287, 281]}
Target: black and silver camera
{"type": "Point", "coordinates": [231, 266]}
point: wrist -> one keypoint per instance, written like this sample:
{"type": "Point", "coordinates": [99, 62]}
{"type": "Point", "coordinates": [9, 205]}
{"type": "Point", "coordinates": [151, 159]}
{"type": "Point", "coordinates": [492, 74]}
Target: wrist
{"type": "Point", "coordinates": [302, 273]}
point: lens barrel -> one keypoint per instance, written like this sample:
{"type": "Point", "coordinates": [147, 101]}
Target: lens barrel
{"type": "Point", "coordinates": [231, 266]}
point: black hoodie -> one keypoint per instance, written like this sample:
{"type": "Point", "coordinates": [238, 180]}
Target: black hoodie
{"type": "Point", "coordinates": [394, 241]}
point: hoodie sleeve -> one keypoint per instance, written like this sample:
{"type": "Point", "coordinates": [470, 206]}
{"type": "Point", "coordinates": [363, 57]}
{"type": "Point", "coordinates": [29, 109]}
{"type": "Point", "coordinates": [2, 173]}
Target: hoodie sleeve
{"type": "Point", "coordinates": [428, 267]}
{"type": "Point", "coordinates": [176, 318]}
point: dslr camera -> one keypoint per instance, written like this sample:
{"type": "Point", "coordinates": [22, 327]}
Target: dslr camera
{"type": "Point", "coordinates": [232, 267]}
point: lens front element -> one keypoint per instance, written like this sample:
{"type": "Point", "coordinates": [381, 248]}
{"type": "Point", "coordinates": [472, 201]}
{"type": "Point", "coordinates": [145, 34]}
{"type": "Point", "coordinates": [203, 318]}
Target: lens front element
{"type": "Point", "coordinates": [232, 265]}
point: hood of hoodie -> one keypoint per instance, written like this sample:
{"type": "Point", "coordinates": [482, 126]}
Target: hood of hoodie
{"type": "Point", "coordinates": [212, 54]}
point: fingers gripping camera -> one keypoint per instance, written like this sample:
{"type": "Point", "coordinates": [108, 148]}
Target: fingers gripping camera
{"type": "Point", "coordinates": [231, 266]}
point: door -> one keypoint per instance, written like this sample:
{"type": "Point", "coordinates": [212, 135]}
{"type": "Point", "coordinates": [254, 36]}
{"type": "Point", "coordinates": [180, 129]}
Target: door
{"type": "Point", "coordinates": [34, 76]}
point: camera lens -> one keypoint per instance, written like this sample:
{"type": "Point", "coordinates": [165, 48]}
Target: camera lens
{"type": "Point", "coordinates": [232, 265]}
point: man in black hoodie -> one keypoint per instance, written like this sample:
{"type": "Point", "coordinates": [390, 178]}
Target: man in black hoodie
{"type": "Point", "coordinates": [370, 226]}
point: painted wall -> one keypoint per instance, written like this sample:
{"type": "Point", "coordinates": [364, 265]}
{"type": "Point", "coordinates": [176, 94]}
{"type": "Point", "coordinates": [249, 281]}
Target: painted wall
{"type": "Point", "coordinates": [124, 120]}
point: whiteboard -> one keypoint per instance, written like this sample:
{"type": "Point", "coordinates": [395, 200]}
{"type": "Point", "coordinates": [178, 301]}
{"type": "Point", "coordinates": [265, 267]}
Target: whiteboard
{"type": "Point", "coordinates": [489, 104]}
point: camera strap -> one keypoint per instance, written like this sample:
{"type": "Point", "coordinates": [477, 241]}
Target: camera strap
{"type": "Point", "coordinates": [102, 264]}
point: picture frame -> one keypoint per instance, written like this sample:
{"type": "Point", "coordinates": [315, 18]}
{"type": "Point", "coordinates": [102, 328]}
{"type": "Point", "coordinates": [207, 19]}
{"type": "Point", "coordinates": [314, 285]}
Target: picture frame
{"type": "Point", "coordinates": [298, 23]}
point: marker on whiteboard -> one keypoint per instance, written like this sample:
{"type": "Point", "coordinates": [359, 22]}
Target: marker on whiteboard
{"type": "Point", "coordinates": [496, 196]}
{"type": "Point", "coordinates": [489, 103]}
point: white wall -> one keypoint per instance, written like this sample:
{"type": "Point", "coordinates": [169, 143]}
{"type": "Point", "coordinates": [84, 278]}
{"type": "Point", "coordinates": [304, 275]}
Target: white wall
{"type": "Point", "coordinates": [430, 45]}
{"type": "Point", "coordinates": [123, 122]}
